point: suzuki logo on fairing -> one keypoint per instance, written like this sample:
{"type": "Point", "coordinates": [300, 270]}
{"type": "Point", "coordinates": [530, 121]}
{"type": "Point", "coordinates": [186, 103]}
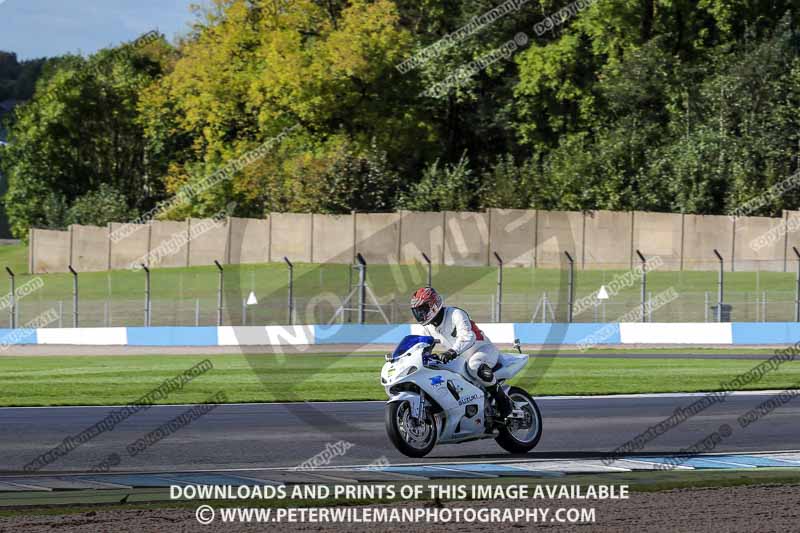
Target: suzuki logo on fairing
{"type": "Point", "coordinates": [437, 380]}
{"type": "Point", "coordinates": [468, 399]}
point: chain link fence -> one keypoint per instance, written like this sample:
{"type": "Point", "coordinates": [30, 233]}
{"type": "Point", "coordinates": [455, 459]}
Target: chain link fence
{"type": "Point", "coordinates": [259, 295]}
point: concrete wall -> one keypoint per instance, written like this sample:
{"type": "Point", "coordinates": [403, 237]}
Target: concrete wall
{"type": "Point", "coordinates": [701, 235]}
{"type": "Point", "coordinates": [378, 237]}
{"type": "Point", "coordinates": [421, 233]}
{"type": "Point", "coordinates": [131, 249]}
{"type": "Point", "coordinates": [512, 235]}
{"type": "Point", "coordinates": [208, 241]}
{"type": "Point", "coordinates": [659, 234]}
{"type": "Point", "coordinates": [248, 241]}
{"type": "Point", "coordinates": [290, 236]}
{"type": "Point", "coordinates": [50, 250]}
{"type": "Point", "coordinates": [607, 239]}
{"type": "Point", "coordinates": [466, 239]}
{"type": "Point", "coordinates": [333, 239]}
{"type": "Point", "coordinates": [600, 239]}
{"type": "Point", "coordinates": [89, 248]}
{"type": "Point", "coordinates": [791, 235]}
{"type": "Point", "coordinates": [557, 232]}
{"type": "Point", "coordinates": [168, 244]}
{"type": "Point", "coordinates": [759, 244]}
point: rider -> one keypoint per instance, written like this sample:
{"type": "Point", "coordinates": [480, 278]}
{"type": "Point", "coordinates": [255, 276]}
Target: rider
{"type": "Point", "coordinates": [461, 336]}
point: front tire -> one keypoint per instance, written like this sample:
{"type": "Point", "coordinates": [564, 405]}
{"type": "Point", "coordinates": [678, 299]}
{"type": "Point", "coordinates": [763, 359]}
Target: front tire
{"type": "Point", "coordinates": [409, 437]}
{"type": "Point", "coordinates": [522, 440]}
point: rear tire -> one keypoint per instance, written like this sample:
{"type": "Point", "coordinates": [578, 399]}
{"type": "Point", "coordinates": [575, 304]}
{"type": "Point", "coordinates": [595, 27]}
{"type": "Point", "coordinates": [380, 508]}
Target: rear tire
{"type": "Point", "coordinates": [397, 414]}
{"type": "Point", "coordinates": [518, 444]}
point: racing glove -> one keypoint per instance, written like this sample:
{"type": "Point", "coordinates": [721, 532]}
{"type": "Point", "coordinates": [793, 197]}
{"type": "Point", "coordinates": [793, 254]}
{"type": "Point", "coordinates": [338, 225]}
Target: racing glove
{"type": "Point", "coordinates": [448, 356]}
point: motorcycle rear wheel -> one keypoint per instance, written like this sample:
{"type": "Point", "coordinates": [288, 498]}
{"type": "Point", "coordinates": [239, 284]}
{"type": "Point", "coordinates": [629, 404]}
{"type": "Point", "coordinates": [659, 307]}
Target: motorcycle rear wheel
{"type": "Point", "coordinates": [513, 440]}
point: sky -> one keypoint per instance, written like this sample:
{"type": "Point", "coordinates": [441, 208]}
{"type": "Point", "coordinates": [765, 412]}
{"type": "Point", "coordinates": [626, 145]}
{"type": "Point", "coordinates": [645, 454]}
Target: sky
{"type": "Point", "coordinates": [46, 28]}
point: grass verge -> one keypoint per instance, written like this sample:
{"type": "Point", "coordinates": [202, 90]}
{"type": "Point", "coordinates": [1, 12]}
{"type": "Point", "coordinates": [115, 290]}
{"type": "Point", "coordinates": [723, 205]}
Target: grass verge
{"type": "Point", "coordinates": [99, 380]}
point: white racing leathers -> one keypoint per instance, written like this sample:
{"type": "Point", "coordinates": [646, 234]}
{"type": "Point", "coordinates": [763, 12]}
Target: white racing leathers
{"type": "Point", "coordinates": [457, 332]}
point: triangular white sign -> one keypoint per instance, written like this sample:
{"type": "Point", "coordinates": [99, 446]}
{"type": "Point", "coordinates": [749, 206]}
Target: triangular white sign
{"type": "Point", "coordinates": [602, 294]}
{"type": "Point", "coordinates": [251, 300]}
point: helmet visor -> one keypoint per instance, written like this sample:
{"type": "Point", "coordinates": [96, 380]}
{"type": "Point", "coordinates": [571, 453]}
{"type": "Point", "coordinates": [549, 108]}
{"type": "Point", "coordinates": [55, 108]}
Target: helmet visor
{"type": "Point", "coordinates": [421, 312]}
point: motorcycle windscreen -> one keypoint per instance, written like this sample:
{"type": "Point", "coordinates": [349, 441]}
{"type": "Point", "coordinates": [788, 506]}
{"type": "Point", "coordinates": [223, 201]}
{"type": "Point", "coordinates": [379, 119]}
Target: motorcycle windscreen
{"type": "Point", "coordinates": [408, 342]}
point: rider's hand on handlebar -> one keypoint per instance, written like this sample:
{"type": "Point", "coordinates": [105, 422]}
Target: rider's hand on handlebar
{"type": "Point", "coordinates": [447, 356]}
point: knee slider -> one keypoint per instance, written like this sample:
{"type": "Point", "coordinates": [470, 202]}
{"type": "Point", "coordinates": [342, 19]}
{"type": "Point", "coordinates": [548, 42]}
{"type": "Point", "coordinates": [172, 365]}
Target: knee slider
{"type": "Point", "coordinates": [485, 373]}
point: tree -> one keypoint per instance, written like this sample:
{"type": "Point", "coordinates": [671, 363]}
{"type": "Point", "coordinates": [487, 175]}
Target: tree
{"type": "Point", "coordinates": [443, 187]}
{"type": "Point", "coordinates": [80, 131]}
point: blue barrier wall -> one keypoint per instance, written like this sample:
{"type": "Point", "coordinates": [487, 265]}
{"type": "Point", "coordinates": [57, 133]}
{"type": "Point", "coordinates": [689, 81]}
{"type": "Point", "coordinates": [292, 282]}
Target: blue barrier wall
{"type": "Point", "coordinates": [177, 336]}
{"type": "Point", "coordinates": [358, 334]}
{"type": "Point", "coordinates": [766, 333]}
{"type": "Point", "coordinates": [567, 333]}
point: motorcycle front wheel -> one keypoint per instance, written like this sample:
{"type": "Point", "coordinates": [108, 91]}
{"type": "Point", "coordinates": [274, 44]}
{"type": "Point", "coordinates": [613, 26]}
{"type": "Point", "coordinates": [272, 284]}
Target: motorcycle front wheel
{"type": "Point", "coordinates": [414, 438]}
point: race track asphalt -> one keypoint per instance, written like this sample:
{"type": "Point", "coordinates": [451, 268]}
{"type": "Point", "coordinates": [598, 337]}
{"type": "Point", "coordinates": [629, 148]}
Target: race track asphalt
{"type": "Point", "coordinates": [252, 436]}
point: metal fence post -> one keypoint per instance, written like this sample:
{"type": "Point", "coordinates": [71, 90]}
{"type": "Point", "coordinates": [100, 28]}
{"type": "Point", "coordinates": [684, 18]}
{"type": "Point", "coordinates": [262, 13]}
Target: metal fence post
{"type": "Point", "coordinates": [797, 287]}
{"type": "Point", "coordinates": [362, 288]}
{"type": "Point", "coordinates": [571, 286]}
{"type": "Point", "coordinates": [75, 320]}
{"type": "Point", "coordinates": [146, 295]}
{"type": "Point", "coordinates": [644, 284]}
{"type": "Point", "coordinates": [220, 286]}
{"type": "Point", "coordinates": [720, 286]}
{"type": "Point", "coordinates": [12, 318]}
{"type": "Point", "coordinates": [430, 269]}
{"type": "Point", "coordinates": [291, 290]}
{"type": "Point", "coordinates": [499, 287]}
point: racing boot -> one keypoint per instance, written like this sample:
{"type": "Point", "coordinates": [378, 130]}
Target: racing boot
{"type": "Point", "coordinates": [504, 405]}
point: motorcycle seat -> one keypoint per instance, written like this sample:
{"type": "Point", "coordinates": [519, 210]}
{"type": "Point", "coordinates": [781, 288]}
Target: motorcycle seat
{"type": "Point", "coordinates": [504, 359]}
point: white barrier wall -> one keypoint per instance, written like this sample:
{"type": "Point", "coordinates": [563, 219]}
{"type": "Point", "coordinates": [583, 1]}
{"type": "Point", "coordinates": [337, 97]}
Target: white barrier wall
{"type": "Point", "coordinates": [784, 334]}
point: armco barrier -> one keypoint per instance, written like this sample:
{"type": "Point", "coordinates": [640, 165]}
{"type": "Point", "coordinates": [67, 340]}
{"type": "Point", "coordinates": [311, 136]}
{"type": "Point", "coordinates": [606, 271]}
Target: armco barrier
{"type": "Point", "coordinates": [177, 336]}
{"type": "Point", "coordinates": [676, 333]}
{"type": "Point", "coordinates": [769, 333]}
{"type": "Point", "coordinates": [570, 333]}
{"type": "Point", "coordinates": [765, 333]}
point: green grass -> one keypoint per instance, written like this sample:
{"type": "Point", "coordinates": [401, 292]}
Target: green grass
{"type": "Point", "coordinates": [15, 256]}
{"type": "Point", "coordinates": [97, 380]}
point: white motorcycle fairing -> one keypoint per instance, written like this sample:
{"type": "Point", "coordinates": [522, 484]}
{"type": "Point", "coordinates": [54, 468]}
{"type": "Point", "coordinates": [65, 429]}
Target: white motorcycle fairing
{"type": "Point", "coordinates": [460, 405]}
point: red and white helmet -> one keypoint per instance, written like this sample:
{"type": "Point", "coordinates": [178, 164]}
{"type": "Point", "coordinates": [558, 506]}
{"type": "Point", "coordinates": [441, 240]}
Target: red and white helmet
{"type": "Point", "coordinates": [425, 304]}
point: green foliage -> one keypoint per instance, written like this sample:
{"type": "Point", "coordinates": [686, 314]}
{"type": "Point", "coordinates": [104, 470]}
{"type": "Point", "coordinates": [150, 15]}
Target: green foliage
{"type": "Point", "coordinates": [443, 187]}
{"type": "Point", "coordinates": [79, 132]}
{"type": "Point", "coordinates": [99, 207]}
{"type": "Point", "coordinates": [18, 79]}
{"type": "Point", "coordinates": [664, 105]}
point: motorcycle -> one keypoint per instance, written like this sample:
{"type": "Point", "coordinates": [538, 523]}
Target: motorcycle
{"type": "Point", "coordinates": [431, 402]}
